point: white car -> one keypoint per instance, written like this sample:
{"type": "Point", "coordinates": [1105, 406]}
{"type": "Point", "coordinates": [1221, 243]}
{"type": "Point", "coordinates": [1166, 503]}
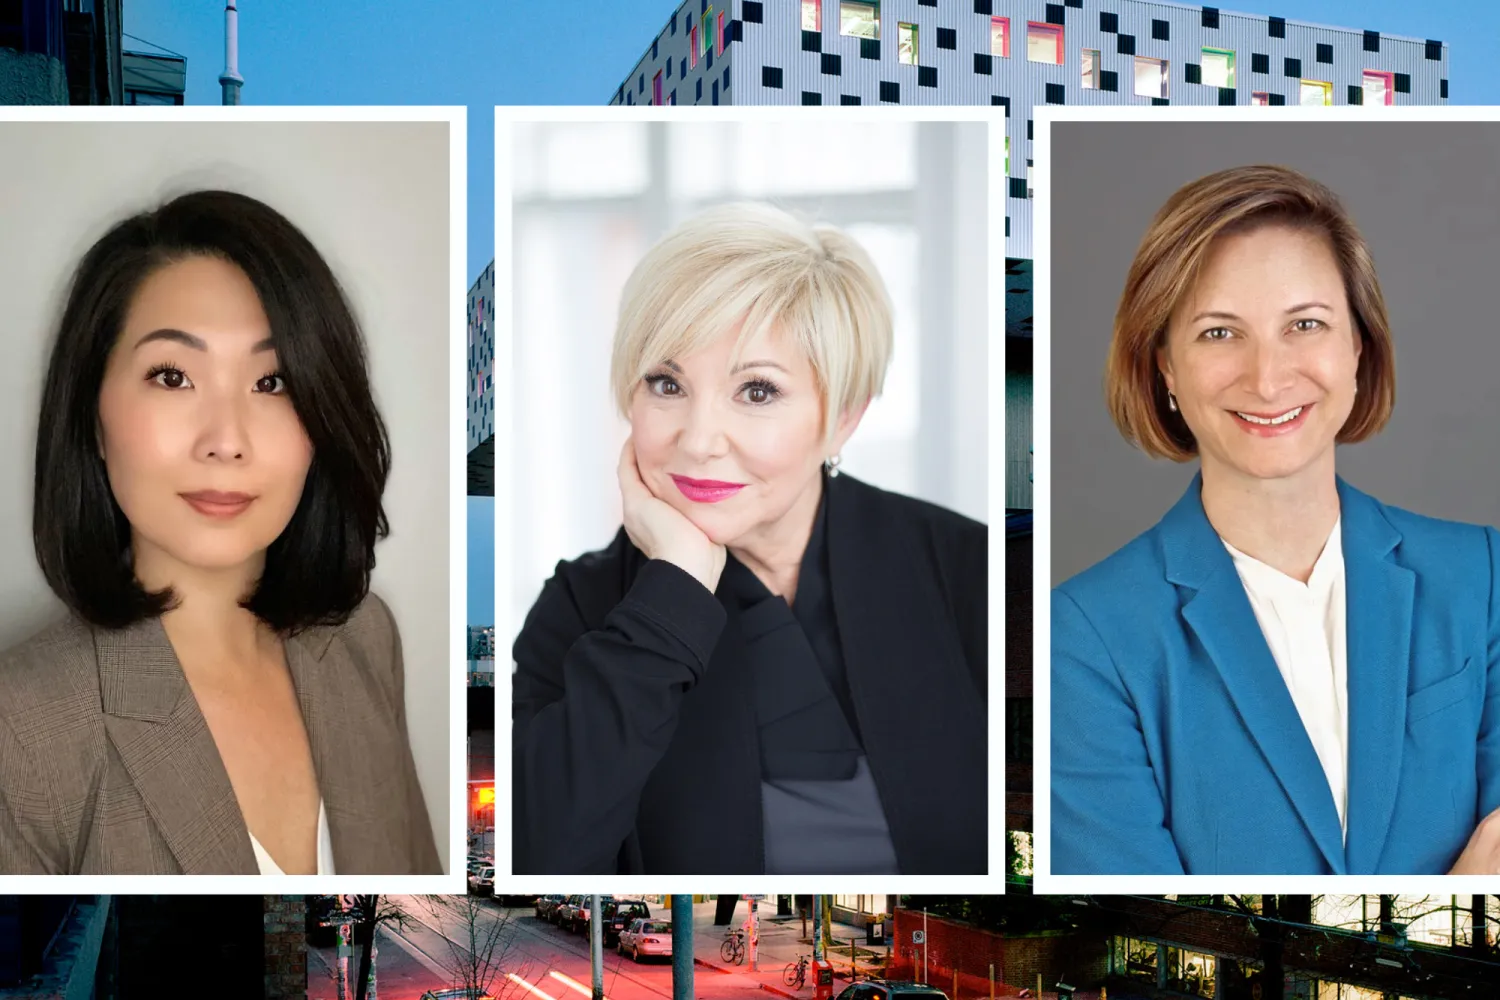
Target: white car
{"type": "Point", "coordinates": [646, 938]}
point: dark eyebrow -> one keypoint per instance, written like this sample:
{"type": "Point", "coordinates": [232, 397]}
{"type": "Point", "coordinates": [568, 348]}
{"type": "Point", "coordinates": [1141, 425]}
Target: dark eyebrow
{"type": "Point", "coordinates": [189, 340]}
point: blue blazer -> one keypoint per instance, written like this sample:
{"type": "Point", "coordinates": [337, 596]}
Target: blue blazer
{"type": "Point", "coordinates": [1177, 749]}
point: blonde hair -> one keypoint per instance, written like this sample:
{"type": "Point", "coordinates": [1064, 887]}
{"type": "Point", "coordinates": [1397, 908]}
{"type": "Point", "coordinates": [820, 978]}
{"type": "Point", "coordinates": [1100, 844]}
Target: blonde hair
{"type": "Point", "coordinates": [757, 267]}
{"type": "Point", "coordinates": [1167, 265]}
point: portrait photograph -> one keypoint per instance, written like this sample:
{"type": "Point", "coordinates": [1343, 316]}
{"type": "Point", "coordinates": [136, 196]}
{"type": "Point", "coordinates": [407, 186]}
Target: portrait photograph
{"type": "Point", "coordinates": [225, 642]}
{"type": "Point", "coordinates": [749, 599]}
{"type": "Point", "coordinates": [1275, 615]}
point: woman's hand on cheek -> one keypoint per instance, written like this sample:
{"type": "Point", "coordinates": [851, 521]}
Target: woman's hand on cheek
{"type": "Point", "coordinates": [1481, 855]}
{"type": "Point", "coordinates": [662, 532]}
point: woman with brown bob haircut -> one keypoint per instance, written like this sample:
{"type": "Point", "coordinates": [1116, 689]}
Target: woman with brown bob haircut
{"type": "Point", "coordinates": [1284, 675]}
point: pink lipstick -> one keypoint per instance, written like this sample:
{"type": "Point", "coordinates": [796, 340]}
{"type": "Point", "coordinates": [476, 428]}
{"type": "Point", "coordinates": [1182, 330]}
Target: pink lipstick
{"type": "Point", "coordinates": [1273, 424]}
{"type": "Point", "coordinates": [218, 504]}
{"type": "Point", "coordinates": [706, 490]}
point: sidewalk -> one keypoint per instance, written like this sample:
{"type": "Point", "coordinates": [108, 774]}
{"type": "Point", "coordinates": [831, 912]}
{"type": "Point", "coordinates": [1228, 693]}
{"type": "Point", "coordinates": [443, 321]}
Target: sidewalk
{"type": "Point", "coordinates": [779, 943]}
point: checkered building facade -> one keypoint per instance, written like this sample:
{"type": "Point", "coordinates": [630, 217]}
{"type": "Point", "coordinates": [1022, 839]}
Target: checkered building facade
{"type": "Point", "coordinates": [1017, 55]}
{"type": "Point", "coordinates": [481, 404]}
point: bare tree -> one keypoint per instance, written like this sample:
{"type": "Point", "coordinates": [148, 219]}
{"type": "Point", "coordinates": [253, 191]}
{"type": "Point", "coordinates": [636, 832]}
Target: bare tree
{"type": "Point", "coordinates": [480, 943]}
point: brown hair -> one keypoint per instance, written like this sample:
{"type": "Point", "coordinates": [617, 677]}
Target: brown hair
{"type": "Point", "coordinates": [1167, 264]}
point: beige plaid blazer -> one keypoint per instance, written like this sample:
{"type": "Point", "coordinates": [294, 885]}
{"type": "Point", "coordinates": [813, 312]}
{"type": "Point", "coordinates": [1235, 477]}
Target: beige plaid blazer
{"type": "Point", "coordinates": [107, 766]}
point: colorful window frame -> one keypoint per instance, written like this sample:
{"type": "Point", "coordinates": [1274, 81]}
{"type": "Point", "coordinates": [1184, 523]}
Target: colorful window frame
{"type": "Point", "coordinates": [1044, 42]}
{"type": "Point", "coordinates": [1217, 59]}
{"type": "Point", "coordinates": [1387, 84]}
{"type": "Point", "coordinates": [1000, 37]}
{"type": "Point", "coordinates": [906, 44]}
{"type": "Point", "coordinates": [812, 15]}
{"type": "Point", "coordinates": [1315, 93]}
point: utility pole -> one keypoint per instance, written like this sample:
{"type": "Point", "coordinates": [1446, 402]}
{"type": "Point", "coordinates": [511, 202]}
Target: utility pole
{"type": "Point", "coordinates": [596, 945]}
{"type": "Point", "coordinates": [230, 80]}
{"type": "Point", "coordinates": [754, 936]}
{"type": "Point", "coordinates": [817, 928]}
{"type": "Point", "coordinates": [682, 948]}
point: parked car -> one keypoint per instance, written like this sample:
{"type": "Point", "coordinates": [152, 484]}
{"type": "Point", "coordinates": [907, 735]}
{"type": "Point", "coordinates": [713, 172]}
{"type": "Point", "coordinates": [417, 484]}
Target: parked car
{"type": "Point", "coordinates": [516, 899]}
{"type": "Point", "coordinates": [617, 915]}
{"type": "Point", "coordinates": [482, 883]}
{"type": "Point", "coordinates": [579, 918]}
{"type": "Point", "coordinates": [545, 905]}
{"type": "Point", "coordinates": [564, 912]}
{"type": "Point", "coordinates": [646, 938]}
{"type": "Point", "coordinates": [891, 989]}
{"type": "Point", "coordinates": [456, 993]}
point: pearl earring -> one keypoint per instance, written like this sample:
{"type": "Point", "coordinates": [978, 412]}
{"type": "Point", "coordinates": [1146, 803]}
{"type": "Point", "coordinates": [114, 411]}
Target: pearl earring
{"type": "Point", "coordinates": [1171, 401]}
{"type": "Point", "coordinates": [832, 462]}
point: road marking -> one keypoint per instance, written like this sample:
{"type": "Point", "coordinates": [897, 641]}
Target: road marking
{"type": "Point", "coordinates": [572, 983]}
{"type": "Point", "coordinates": [528, 987]}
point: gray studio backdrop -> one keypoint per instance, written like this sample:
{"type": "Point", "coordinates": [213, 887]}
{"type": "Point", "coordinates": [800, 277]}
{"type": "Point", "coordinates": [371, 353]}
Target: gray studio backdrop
{"type": "Point", "coordinates": [1426, 197]}
{"type": "Point", "coordinates": [373, 198]}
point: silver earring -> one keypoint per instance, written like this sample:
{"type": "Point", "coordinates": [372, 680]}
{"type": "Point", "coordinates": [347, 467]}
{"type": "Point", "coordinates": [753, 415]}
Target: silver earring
{"type": "Point", "coordinates": [832, 462]}
{"type": "Point", "coordinates": [1171, 401]}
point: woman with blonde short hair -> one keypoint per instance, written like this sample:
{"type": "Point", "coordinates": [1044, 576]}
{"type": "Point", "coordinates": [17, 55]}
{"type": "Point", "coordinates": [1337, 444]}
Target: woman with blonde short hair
{"type": "Point", "coordinates": [773, 667]}
{"type": "Point", "coordinates": [1284, 675]}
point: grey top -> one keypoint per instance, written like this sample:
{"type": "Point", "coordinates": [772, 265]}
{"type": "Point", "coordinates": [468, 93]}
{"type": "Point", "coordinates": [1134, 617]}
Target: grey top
{"type": "Point", "coordinates": [821, 812]}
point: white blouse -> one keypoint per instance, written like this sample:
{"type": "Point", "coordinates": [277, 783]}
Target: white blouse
{"type": "Point", "coordinates": [1304, 624]}
{"type": "Point", "coordinates": [268, 865]}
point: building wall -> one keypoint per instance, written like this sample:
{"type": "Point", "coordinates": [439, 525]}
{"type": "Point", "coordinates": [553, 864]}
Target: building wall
{"type": "Point", "coordinates": [285, 922]}
{"type": "Point", "coordinates": [685, 80]}
{"type": "Point", "coordinates": [775, 62]}
{"type": "Point", "coordinates": [31, 78]}
{"type": "Point", "coordinates": [481, 362]}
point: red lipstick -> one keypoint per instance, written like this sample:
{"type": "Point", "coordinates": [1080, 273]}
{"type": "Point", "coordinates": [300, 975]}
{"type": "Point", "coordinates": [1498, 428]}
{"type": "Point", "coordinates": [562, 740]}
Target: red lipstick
{"type": "Point", "coordinates": [706, 490]}
{"type": "Point", "coordinates": [218, 504]}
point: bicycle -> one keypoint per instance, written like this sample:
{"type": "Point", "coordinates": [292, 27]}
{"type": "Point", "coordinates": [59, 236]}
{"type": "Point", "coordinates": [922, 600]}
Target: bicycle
{"type": "Point", "coordinates": [733, 948]}
{"type": "Point", "coordinates": [796, 972]}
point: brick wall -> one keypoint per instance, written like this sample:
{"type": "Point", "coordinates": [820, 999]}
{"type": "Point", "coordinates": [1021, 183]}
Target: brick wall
{"type": "Point", "coordinates": [284, 920]}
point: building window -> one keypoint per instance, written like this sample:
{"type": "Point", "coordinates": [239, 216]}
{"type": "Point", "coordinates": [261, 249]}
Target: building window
{"type": "Point", "coordinates": [812, 15]}
{"type": "Point", "coordinates": [656, 89]}
{"type": "Point", "coordinates": [861, 20]}
{"type": "Point", "coordinates": [1000, 37]}
{"type": "Point", "coordinates": [693, 47]}
{"type": "Point", "coordinates": [1218, 67]}
{"type": "Point", "coordinates": [721, 32]}
{"type": "Point", "coordinates": [1150, 77]}
{"type": "Point", "coordinates": [1134, 958]}
{"type": "Point", "coordinates": [1316, 93]}
{"type": "Point", "coordinates": [1090, 69]}
{"type": "Point", "coordinates": [906, 44]}
{"type": "Point", "coordinates": [1030, 191]}
{"type": "Point", "coordinates": [707, 35]}
{"type": "Point", "coordinates": [1044, 43]}
{"type": "Point", "coordinates": [1379, 88]}
{"type": "Point", "coordinates": [1190, 972]}
{"type": "Point", "coordinates": [1260, 99]}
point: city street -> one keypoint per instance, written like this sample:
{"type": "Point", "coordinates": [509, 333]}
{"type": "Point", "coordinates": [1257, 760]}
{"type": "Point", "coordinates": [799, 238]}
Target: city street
{"type": "Point", "coordinates": [550, 964]}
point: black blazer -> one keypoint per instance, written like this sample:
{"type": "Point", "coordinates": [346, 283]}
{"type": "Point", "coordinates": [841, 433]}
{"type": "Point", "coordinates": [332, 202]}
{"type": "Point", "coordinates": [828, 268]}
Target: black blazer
{"type": "Point", "coordinates": [634, 724]}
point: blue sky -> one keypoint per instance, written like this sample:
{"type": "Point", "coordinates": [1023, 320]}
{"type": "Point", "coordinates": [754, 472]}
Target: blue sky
{"type": "Point", "coordinates": [486, 52]}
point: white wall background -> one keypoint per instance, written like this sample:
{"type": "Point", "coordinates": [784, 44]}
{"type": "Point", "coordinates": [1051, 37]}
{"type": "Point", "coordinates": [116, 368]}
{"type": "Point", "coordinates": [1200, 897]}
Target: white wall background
{"type": "Point", "coordinates": [373, 198]}
{"type": "Point", "coordinates": [591, 198]}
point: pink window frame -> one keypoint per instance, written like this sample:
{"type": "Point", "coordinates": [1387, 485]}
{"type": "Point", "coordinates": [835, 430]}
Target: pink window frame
{"type": "Point", "coordinates": [817, 6]}
{"type": "Point", "coordinates": [1390, 84]}
{"type": "Point", "coordinates": [656, 99]}
{"type": "Point", "coordinates": [721, 32]}
{"type": "Point", "coordinates": [1006, 46]}
{"type": "Point", "coordinates": [693, 46]}
{"type": "Point", "coordinates": [1046, 27]}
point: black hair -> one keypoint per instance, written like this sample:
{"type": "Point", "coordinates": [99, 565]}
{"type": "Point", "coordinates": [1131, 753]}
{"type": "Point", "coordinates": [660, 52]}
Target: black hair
{"type": "Point", "coordinates": [318, 569]}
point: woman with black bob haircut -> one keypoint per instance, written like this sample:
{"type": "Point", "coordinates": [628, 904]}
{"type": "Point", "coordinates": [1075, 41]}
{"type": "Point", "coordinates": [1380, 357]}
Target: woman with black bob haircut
{"type": "Point", "coordinates": [227, 696]}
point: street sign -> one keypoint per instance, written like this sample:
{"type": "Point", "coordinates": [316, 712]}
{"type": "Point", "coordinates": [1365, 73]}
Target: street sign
{"type": "Point", "coordinates": [918, 937]}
